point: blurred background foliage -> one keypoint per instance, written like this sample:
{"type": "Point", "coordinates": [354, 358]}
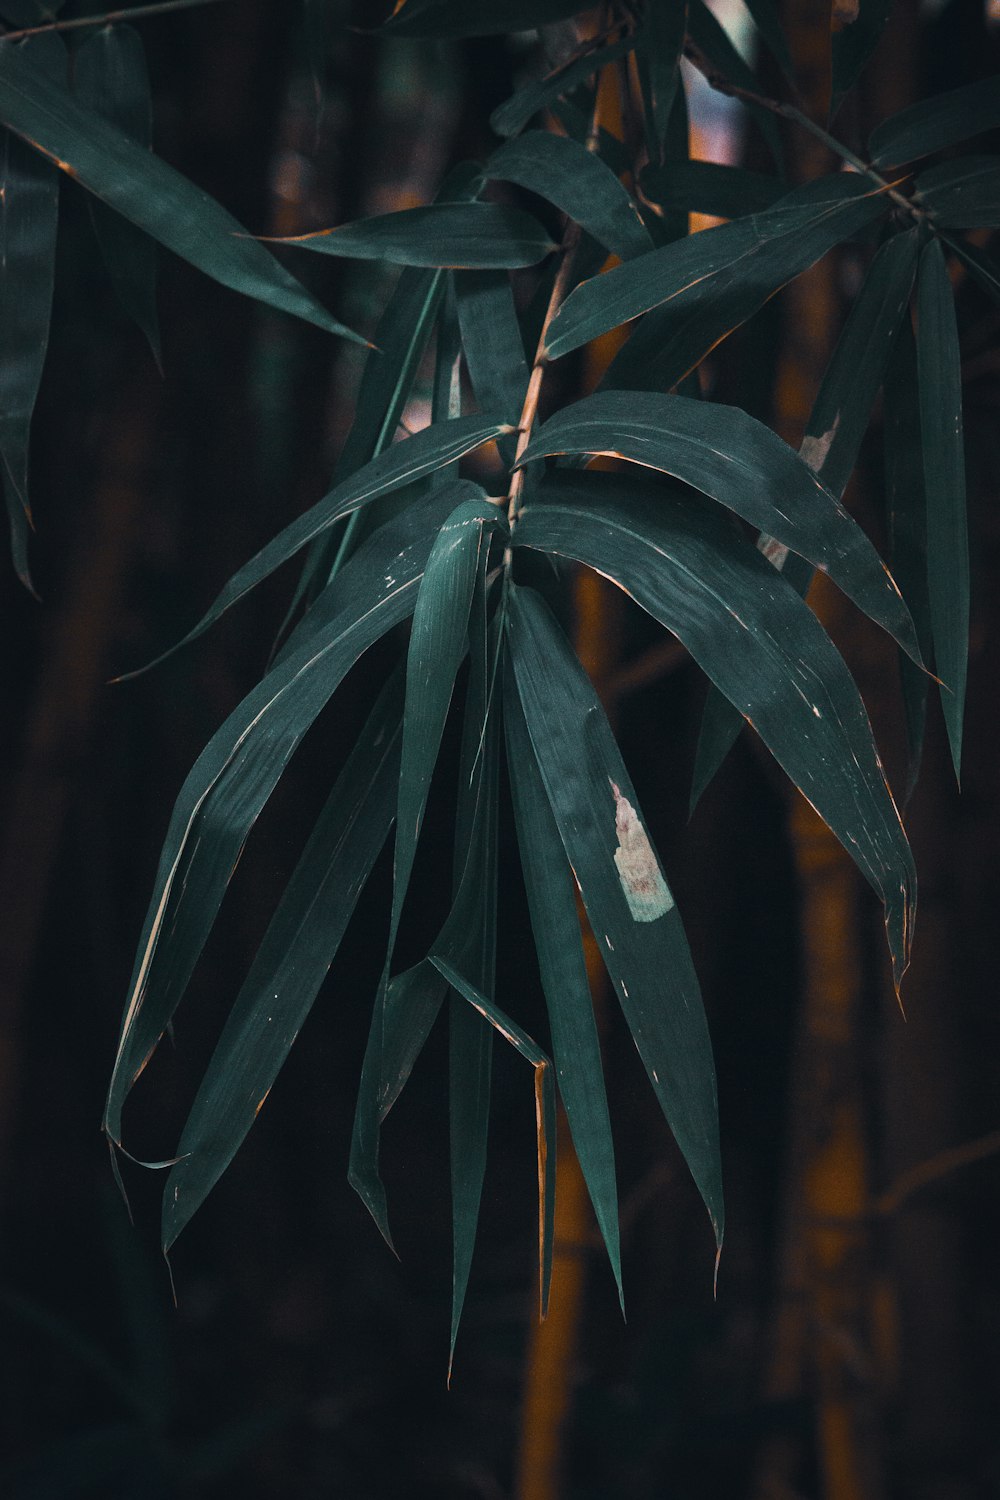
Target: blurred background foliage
{"type": "Point", "coordinates": [852, 1348]}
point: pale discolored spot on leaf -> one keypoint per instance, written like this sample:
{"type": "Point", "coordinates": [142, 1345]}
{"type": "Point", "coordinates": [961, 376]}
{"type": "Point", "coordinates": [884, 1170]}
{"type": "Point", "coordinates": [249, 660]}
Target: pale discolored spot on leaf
{"type": "Point", "coordinates": [813, 450]}
{"type": "Point", "coordinates": [645, 888]}
{"type": "Point", "coordinates": [844, 12]}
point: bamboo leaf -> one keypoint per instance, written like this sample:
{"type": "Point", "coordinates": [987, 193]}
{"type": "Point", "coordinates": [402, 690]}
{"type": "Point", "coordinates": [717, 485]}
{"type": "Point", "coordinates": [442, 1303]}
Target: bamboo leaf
{"type": "Point", "coordinates": [29, 206]}
{"type": "Point", "coordinates": [110, 78]}
{"type": "Point", "coordinates": [556, 929]}
{"type": "Point", "coordinates": [147, 191]}
{"type": "Point", "coordinates": [833, 440]}
{"type": "Point", "coordinates": [431, 449]}
{"type": "Point", "coordinates": [578, 182]}
{"type": "Point", "coordinates": [232, 780]}
{"type": "Point", "coordinates": [457, 18]}
{"type": "Point", "coordinates": [940, 371]}
{"type": "Point", "coordinates": [629, 906]}
{"type": "Point", "coordinates": [301, 942]}
{"type": "Point", "coordinates": [493, 347]}
{"type": "Point", "coordinates": [767, 19]}
{"type": "Point", "coordinates": [709, 187]}
{"type": "Point", "coordinates": [712, 40]}
{"type": "Point", "coordinates": [906, 517]}
{"type": "Point", "coordinates": [511, 116]}
{"type": "Point", "coordinates": [756, 640]}
{"type": "Point", "coordinates": [708, 284]}
{"type": "Point", "coordinates": [962, 194]}
{"type": "Point", "coordinates": [853, 45]}
{"type": "Point", "coordinates": [934, 124]}
{"type": "Point", "coordinates": [741, 463]}
{"type": "Point", "coordinates": [662, 43]}
{"type": "Point", "coordinates": [446, 396]}
{"type": "Point", "coordinates": [468, 235]}
{"type": "Point", "coordinates": [983, 267]}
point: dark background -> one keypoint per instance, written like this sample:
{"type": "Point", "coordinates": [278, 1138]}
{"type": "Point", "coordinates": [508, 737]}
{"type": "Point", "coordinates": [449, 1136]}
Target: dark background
{"type": "Point", "coordinates": [302, 1359]}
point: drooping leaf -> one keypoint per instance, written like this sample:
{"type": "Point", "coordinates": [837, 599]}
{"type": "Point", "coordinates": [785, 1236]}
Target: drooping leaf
{"type": "Point", "coordinates": [709, 187]}
{"type": "Point", "coordinates": [457, 18]}
{"type": "Point", "coordinates": [446, 395]}
{"type": "Point", "coordinates": [110, 78]}
{"type": "Point", "coordinates": [301, 942]}
{"type": "Point", "coordinates": [431, 449]}
{"type": "Point", "coordinates": [629, 906]}
{"type": "Point", "coordinates": [29, 207]}
{"type": "Point", "coordinates": [146, 190]}
{"type": "Point", "coordinates": [545, 1111]}
{"type": "Point", "coordinates": [555, 926]}
{"type": "Point", "coordinates": [661, 45]}
{"type": "Point", "coordinates": [940, 371]}
{"type": "Point", "coordinates": [936, 123]}
{"type": "Point", "coordinates": [853, 45]}
{"type": "Point", "coordinates": [511, 116]}
{"type": "Point", "coordinates": [577, 181]}
{"type": "Point", "coordinates": [468, 235]}
{"type": "Point", "coordinates": [712, 40]}
{"type": "Point", "coordinates": [834, 434]}
{"type": "Point", "coordinates": [906, 518]}
{"type": "Point", "coordinates": [963, 194]}
{"type": "Point", "coordinates": [741, 463]}
{"type": "Point", "coordinates": [493, 347]}
{"type": "Point", "coordinates": [984, 267]}
{"type": "Point", "coordinates": [755, 639]}
{"type": "Point", "coordinates": [232, 780]}
{"type": "Point", "coordinates": [705, 286]}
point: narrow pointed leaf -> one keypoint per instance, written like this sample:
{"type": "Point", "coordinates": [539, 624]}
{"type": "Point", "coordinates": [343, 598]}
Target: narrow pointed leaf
{"type": "Point", "coordinates": [936, 123]}
{"type": "Point", "coordinates": [833, 440]}
{"type": "Point", "coordinates": [741, 463]}
{"type": "Point", "coordinates": [984, 268]}
{"type": "Point", "coordinates": [446, 396]}
{"type": "Point", "coordinates": [493, 347]}
{"type": "Point", "coordinates": [229, 785]}
{"type": "Point", "coordinates": [457, 18]}
{"type": "Point", "coordinates": [629, 906]}
{"type": "Point", "coordinates": [756, 640]}
{"type": "Point", "coordinates": [708, 284]}
{"type": "Point", "coordinates": [511, 116]}
{"type": "Point", "coordinates": [710, 187]}
{"type": "Point", "coordinates": [577, 181]}
{"type": "Point", "coordinates": [431, 449]}
{"type": "Point", "coordinates": [962, 194]}
{"type": "Point", "coordinates": [545, 1108]}
{"type": "Point", "coordinates": [110, 78]}
{"type": "Point", "coordinates": [853, 45]}
{"type": "Point", "coordinates": [291, 963]}
{"type": "Point", "coordinates": [476, 235]}
{"type": "Point", "coordinates": [662, 43]}
{"type": "Point", "coordinates": [940, 370]}
{"type": "Point", "coordinates": [712, 40]}
{"type": "Point", "coordinates": [906, 518]}
{"type": "Point", "coordinates": [555, 926]}
{"type": "Point", "coordinates": [767, 19]}
{"type": "Point", "coordinates": [108, 163]}
{"type": "Point", "coordinates": [29, 206]}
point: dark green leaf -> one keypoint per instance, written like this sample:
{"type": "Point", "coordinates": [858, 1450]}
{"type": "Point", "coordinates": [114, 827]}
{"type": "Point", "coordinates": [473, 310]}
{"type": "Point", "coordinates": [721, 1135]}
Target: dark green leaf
{"type": "Point", "coordinates": [515, 112]}
{"type": "Point", "coordinates": [446, 396]}
{"type": "Point", "coordinates": [29, 206]}
{"type": "Point", "coordinates": [709, 187]}
{"type": "Point", "coordinates": [143, 188]}
{"type": "Point", "coordinates": [110, 78]}
{"type": "Point", "coordinates": [712, 40]}
{"type": "Point", "coordinates": [833, 439]}
{"type": "Point", "coordinates": [767, 19]}
{"type": "Point", "coordinates": [469, 235]}
{"type": "Point", "coordinates": [232, 780]}
{"type": "Point", "coordinates": [939, 364]}
{"type": "Point", "coordinates": [984, 268]}
{"type": "Point", "coordinates": [906, 517]}
{"type": "Point", "coordinates": [577, 123]}
{"type": "Point", "coordinates": [936, 123]}
{"type": "Point", "coordinates": [853, 45]}
{"type": "Point", "coordinates": [708, 284]}
{"type": "Point", "coordinates": [741, 463]}
{"type": "Point", "coordinates": [962, 194]}
{"type": "Point", "coordinates": [757, 641]}
{"type": "Point", "coordinates": [661, 43]}
{"type": "Point", "coordinates": [291, 963]}
{"type": "Point", "coordinates": [577, 181]}
{"type": "Point", "coordinates": [455, 18]}
{"type": "Point", "coordinates": [629, 906]}
{"type": "Point", "coordinates": [493, 347]}
{"type": "Point", "coordinates": [555, 924]}
{"type": "Point", "coordinates": [431, 449]}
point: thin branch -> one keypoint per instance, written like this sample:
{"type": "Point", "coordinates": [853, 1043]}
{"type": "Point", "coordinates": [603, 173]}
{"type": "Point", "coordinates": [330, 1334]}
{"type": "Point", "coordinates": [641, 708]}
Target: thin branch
{"type": "Point", "coordinates": [942, 1164]}
{"type": "Point", "coordinates": [135, 13]}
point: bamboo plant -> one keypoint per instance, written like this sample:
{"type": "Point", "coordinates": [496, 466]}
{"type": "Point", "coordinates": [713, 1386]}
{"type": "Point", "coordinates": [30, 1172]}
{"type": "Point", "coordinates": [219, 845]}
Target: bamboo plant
{"type": "Point", "coordinates": [707, 520]}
